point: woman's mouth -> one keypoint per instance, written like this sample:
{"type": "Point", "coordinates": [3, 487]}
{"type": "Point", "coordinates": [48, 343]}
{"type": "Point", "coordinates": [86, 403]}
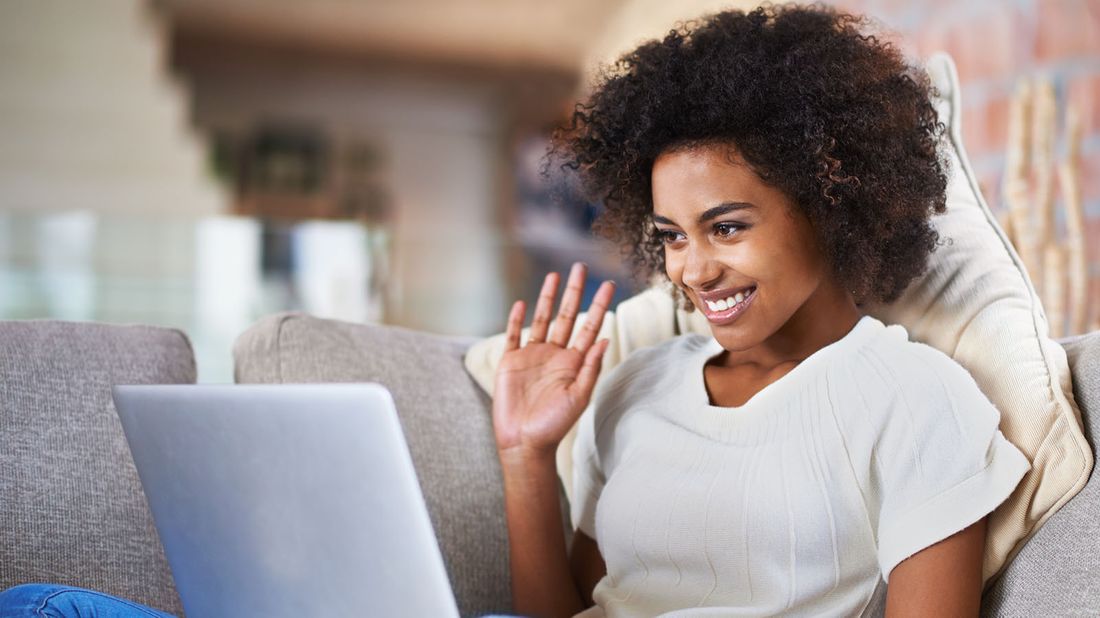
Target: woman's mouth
{"type": "Point", "coordinates": [728, 309]}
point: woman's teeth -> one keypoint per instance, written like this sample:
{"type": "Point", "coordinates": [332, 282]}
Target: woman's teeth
{"type": "Point", "coordinates": [722, 305]}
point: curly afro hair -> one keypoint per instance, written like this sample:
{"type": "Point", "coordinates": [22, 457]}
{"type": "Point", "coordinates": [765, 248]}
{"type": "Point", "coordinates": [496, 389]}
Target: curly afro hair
{"type": "Point", "coordinates": [834, 118]}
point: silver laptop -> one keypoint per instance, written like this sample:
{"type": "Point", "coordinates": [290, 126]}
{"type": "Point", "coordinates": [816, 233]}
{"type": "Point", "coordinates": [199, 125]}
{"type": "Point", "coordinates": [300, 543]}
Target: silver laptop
{"type": "Point", "coordinates": [285, 500]}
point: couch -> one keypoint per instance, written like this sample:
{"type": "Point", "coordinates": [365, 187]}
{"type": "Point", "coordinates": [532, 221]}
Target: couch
{"type": "Point", "coordinates": [72, 510]}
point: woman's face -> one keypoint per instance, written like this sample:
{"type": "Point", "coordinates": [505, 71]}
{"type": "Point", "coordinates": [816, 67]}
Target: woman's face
{"type": "Point", "coordinates": [742, 251]}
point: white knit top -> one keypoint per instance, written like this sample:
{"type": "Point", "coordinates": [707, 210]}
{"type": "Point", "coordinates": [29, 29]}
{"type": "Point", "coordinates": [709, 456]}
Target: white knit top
{"type": "Point", "coordinates": [798, 502]}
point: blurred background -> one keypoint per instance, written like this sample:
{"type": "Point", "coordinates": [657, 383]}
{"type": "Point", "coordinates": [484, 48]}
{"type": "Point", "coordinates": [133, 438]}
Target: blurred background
{"type": "Point", "coordinates": [202, 163]}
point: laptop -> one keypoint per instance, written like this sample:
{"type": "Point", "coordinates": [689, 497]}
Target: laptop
{"type": "Point", "coordinates": [285, 500]}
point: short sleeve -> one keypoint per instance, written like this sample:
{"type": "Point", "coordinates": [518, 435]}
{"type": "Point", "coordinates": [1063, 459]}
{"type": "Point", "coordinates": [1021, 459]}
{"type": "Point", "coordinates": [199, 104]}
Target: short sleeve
{"type": "Point", "coordinates": [588, 478]}
{"type": "Point", "coordinates": [940, 461]}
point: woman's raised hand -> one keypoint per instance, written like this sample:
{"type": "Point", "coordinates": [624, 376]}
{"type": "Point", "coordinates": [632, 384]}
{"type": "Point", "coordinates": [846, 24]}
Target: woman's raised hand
{"type": "Point", "coordinates": [542, 387]}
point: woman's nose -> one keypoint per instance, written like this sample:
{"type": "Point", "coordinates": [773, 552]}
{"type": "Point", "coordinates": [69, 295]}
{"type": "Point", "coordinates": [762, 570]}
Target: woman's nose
{"type": "Point", "coordinates": [700, 268]}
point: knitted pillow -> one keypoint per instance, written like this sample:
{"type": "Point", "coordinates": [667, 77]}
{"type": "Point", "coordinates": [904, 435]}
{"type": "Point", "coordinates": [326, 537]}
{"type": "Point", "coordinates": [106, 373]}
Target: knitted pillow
{"type": "Point", "coordinates": [975, 304]}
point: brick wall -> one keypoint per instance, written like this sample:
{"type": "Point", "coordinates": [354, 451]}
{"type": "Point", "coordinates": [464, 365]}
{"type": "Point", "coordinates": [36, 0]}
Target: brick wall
{"type": "Point", "coordinates": [995, 43]}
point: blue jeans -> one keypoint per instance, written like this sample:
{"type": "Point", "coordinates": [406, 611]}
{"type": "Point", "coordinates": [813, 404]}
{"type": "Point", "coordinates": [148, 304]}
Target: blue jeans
{"type": "Point", "coordinates": [56, 601]}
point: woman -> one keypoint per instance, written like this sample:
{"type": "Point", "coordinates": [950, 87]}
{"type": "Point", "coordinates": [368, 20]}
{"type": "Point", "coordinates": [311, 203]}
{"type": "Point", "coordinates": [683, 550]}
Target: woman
{"type": "Point", "coordinates": [780, 168]}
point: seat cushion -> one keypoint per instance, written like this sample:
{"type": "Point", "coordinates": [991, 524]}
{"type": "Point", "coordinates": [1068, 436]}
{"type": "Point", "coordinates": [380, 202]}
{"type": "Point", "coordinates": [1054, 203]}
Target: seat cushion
{"type": "Point", "coordinates": [71, 506]}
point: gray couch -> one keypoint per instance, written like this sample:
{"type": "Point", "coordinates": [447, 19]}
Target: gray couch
{"type": "Point", "coordinates": [72, 511]}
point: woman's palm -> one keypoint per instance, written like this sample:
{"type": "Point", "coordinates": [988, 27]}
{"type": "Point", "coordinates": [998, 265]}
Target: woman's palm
{"type": "Point", "coordinates": [543, 386]}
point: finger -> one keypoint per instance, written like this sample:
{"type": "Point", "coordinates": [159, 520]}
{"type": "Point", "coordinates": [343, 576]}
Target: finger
{"type": "Point", "coordinates": [570, 305]}
{"type": "Point", "coordinates": [594, 319]}
{"type": "Point", "coordinates": [515, 326]}
{"type": "Point", "coordinates": [543, 308]}
{"type": "Point", "coordinates": [590, 370]}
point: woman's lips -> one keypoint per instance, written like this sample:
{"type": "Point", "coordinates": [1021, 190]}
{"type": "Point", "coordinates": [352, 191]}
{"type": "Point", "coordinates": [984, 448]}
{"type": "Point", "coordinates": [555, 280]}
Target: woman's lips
{"type": "Point", "coordinates": [726, 316]}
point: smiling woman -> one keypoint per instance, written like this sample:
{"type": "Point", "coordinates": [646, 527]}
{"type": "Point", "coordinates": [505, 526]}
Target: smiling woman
{"type": "Point", "coordinates": [780, 168]}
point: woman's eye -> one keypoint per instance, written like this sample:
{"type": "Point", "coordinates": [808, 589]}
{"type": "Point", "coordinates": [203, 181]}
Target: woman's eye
{"type": "Point", "coordinates": [667, 236]}
{"type": "Point", "coordinates": [727, 229]}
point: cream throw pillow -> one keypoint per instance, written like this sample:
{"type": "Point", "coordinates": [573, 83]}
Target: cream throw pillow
{"type": "Point", "coordinates": [976, 304]}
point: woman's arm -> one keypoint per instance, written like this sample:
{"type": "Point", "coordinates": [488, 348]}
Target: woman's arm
{"type": "Point", "coordinates": [542, 582]}
{"type": "Point", "coordinates": [944, 579]}
{"type": "Point", "coordinates": [541, 390]}
{"type": "Point", "coordinates": [588, 565]}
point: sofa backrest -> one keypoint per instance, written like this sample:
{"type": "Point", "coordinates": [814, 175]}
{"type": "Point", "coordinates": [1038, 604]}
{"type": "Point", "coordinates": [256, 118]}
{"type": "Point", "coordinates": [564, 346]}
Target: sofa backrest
{"type": "Point", "coordinates": [71, 506]}
{"type": "Point", "coordinates": [445, 417]}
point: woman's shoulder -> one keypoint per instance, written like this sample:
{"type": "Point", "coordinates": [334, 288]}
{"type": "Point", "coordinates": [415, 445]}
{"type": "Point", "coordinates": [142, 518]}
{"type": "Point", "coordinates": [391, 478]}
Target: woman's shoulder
{"type": "Point", "coordinates": [906, 361]}
{"type": "Point", "coordinates": [909, 411]}
{"type": "Point", "coordinates": [893, 370]}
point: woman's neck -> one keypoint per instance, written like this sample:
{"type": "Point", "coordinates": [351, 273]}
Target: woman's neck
{"type": "Point", "coordinates": [826, 317]}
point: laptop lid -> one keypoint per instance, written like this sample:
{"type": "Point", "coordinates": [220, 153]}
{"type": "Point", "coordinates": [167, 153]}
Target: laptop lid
{"type": "Point", "coordinates": [285, 500]}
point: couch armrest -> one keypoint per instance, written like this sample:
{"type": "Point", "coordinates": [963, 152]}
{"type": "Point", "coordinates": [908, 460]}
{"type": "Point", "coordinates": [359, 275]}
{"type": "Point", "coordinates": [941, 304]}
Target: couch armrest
{"type": "Point", "coordinates": [1056, 574]}
{"type": "Point", "coordinates": [1083, 352]}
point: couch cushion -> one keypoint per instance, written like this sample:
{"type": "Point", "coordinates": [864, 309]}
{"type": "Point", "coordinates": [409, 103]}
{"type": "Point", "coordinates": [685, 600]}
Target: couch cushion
{"type": "Point", "coordinates": [978, 305]}
{"type": "Point", "coordinates": [71, 506]}
{"type": "Point", "coordinates": [443, 413]}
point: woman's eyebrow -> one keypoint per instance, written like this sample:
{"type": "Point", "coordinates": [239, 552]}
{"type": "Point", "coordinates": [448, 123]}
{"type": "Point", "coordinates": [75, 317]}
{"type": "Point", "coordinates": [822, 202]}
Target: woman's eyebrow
{"type": "Point", "coordinates": [722, 209]}
{"type": "Point", "coordinates": [710, 213]}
